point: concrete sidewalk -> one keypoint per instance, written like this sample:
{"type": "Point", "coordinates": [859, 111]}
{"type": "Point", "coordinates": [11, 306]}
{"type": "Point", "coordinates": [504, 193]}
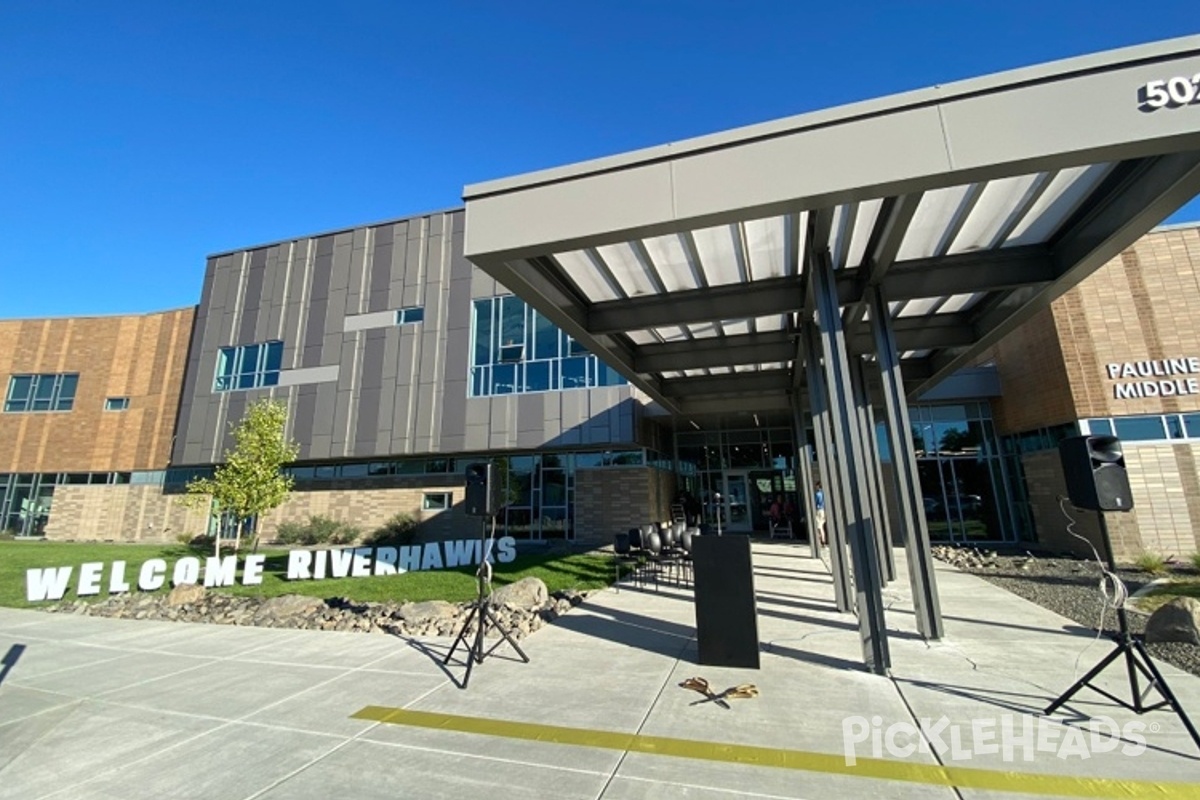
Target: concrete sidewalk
{"type": "Point", "coordinates": [100, 708]}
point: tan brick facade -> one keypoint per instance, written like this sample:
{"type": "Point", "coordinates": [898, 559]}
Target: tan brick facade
{"type": "Point", "coordinates": [369, 509]}
{"type": "Point", "coordinates": [1139, 307]}
{"type": "Point", "coordinates": [611, 501]}
{"type": "Point", "coordinates": [122, 513]}
{"type": "Point", "coordinates": [141, 357]}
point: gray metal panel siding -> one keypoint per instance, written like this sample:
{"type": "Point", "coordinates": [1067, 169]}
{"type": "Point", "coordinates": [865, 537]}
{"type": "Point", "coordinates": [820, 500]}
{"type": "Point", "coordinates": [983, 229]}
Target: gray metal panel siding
{"type": "Point", "coordinates": [401, 390]}
{"type": "Point", "coordinates": [381, 268]}
{"type": "Point", "coordinates": [248, 319]}
{"type": "Point", "coordinates": [531, 427]}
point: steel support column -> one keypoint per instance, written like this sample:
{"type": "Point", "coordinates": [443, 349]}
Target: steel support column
{"type": "Point", "coordinates": [873, 470]}
{"type": "Point", "coordinates": [818, 399]}
{"type": "Point", "coordinates": [904, 463]}
{"type": "Point", "coordinates": [847, 440]}
{"type": "Point", "coordinates": [804, 476]}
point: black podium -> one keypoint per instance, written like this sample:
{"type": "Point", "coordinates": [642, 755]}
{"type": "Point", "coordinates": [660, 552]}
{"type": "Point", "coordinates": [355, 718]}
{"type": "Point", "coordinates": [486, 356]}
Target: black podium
{"type": "Point", "coordinates": [726, 615]}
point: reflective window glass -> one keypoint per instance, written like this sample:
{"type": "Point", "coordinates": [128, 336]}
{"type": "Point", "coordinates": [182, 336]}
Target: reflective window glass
{"type": "Point", "coordinates": [546, 339]}
{"type": "Point", "coordinates": [1191, 423]}
{"type": "Point", "coordinates": [574, 373]}
{"type": "Point", "coordinates": [525, 352]}
{"type": "Point", "coordinates": [52, 392]}
{"type": "Point", "coordinates": [249, 366]}
{"type": "Point", "coordinates": [435, 501]}
{"type": "Point", "coordinates": [537, 376]}
{"type": "Point", "coordinates": [504, 379]}
{"type": "Point", "coordinates": [483, 332]}
{"type": "Point", "coordinates": [1142, 429]}
{"type": "Point", "coordinates": [274, 356]}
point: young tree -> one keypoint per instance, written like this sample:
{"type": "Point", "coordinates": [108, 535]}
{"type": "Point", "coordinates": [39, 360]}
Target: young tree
{"type": "Point", "coordinates": [251, 481]}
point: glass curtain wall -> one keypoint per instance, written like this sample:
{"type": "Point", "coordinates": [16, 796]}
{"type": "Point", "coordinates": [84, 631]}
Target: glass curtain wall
{"type": "Point", "coordinates": [967, 488]}
{"type": "Point", "coordinates": [516, 350]}
{"type": "Point", "coordinates": [764, 458]}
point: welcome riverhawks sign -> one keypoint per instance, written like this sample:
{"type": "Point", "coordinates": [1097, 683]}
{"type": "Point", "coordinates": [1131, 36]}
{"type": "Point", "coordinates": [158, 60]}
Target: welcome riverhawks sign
{"type": "Point", "coordinates": [50, 583]}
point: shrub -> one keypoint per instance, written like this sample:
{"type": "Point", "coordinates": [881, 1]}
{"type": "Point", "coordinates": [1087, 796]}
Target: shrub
{"type": "Point", "coordinates": [318, 530]}
{"type": "Point", "coordinates": [1196, 559]}
{"type": "Point", "coordinates": [400, 529]}
{"type": "Point", "coordinates": [1151, 562]}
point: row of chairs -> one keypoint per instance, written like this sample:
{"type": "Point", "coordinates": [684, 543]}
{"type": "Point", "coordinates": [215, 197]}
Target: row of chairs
{"type": "Point", "coordinates": [662, 552]}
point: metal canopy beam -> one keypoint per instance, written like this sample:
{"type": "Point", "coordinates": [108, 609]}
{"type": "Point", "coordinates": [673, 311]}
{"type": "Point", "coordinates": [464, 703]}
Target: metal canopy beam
{"type": "Point", "coordinates": [733, 383]}
{"type": "Point", "coordinates": [895, 215]}
{"type": "Point", "coordinates": [748, 348]}
{"type": "Point", "coordinates": [1145, 195]}
{"type": "Point", "coordinates": [729, 301]}
{"type": "Point", "coordinates": [761, 403]}
{"type": "Point", "coordinates": [965, 273]}
{"type": "Point", "coordinates": [922, 333]}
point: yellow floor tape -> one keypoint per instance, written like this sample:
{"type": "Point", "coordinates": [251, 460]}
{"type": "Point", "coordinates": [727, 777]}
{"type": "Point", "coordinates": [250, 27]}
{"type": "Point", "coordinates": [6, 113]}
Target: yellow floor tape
{"type": "Point", "coordinates": [932, 774]}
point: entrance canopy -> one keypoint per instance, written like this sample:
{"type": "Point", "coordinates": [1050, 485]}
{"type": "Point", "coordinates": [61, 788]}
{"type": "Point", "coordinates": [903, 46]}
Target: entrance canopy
{"type": "Point", "coordinates": [966, 207]}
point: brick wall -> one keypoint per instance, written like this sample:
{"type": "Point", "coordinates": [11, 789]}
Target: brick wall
{"type": "Point", "coordinates": [138, 356]}
{"type": "Point", "coordinates": [368, 509]}
{"type": "Point", "coordinates": [1140, 306]}
{"type": "Point", "coordinates": [1037, 389]}
{"type": "Point", "coordinates": [121, 513]}
{"type": "Point", "coordinates": [611, 501]}
{"type": "Point", "coordinates": [1044, 476]}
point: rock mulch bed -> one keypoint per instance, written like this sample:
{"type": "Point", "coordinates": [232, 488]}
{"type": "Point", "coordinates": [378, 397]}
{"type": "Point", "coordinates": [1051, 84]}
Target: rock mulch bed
{"type": "Point", "coordinates": [1066, 586]}
{"type": "Point", "coordinates": [520, 609]}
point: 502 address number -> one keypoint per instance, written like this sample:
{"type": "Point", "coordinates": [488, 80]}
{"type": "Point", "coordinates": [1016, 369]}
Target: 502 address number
{"type": "Point", "coordinates": [1171, 93]}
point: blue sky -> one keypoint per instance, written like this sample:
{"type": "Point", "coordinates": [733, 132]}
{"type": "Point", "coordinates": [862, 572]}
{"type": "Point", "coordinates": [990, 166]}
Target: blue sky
{"type": "Point", "coordinates": [138, 137]}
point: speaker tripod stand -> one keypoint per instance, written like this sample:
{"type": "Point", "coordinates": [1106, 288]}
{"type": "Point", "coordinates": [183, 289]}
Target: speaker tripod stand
{"type": "Point", "coordinates": [482, 614]}
{"type": "Point", "coordinates": [1137, 662]}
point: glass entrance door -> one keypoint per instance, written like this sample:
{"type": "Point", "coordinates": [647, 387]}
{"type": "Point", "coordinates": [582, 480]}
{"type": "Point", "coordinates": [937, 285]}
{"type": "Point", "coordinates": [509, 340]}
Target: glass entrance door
{"type": "Point", "coordinates": [737, 503]}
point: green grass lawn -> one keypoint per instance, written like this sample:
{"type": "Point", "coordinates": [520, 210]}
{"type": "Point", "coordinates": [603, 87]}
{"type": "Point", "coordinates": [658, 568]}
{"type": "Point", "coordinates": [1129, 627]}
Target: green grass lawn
{"type": "Point", "coordinates": [1166, 592]}
{"type": "Point", "coordinates": [580, 571]}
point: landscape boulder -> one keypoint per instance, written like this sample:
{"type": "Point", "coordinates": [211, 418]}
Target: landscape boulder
{"type": "Point", "coordinates": [186, 594]}
{"type": "Point", "coordinates": [1177, 621]}
{"type": "Point", "coordinates": [288, 606]}
{"type": "Point", "coordinates": [528, 594]}
{"type": "Point", "coordinates": [428, 612]}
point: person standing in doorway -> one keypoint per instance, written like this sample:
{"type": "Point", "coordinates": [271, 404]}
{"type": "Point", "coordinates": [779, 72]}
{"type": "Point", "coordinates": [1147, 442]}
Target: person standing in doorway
{"type": "Point", "coordinates": [819, 497]}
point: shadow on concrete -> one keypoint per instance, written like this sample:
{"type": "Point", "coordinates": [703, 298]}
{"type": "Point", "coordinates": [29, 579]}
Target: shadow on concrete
{"type": "Point", "coordinates": [1011, 701]}
{"type": "Point", "coordinates": [813, 658]}
{"type": "Point", "coordinates": [632, 630]}
{"type": "Point", "coordinates": [1066, 630]}
{"type": "Point", "coordinates": [780, 599]}
{"type": "Point", "coordinates": [435, 654]}
{"type": "Point", "coordinates": [10, 660]}
{"type": "Point", "coordinates": [995, 697]}
{"type": "Point", "coordinates": [792, 575]}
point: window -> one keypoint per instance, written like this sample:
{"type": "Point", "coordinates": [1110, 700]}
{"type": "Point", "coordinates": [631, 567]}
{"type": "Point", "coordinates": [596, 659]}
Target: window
{"type": "Point", "coordinates": [517, 350]}
{"type": "Point", "coordinates": [116, 403]}
{"type": "Point", "coordinates": [436, 501]}
{"type": "Point", "coordinates": [54, 392]}
{"type": "Point", "coordinates": [248, 366]}
{"type": "Point", "coordinates": [1137, 429]}
{"type": "Point", "coordinates": [407, 316]}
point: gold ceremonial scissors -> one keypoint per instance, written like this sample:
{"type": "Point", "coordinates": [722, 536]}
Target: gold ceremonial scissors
{"type": "Point", "coordinates": [739, 692]}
